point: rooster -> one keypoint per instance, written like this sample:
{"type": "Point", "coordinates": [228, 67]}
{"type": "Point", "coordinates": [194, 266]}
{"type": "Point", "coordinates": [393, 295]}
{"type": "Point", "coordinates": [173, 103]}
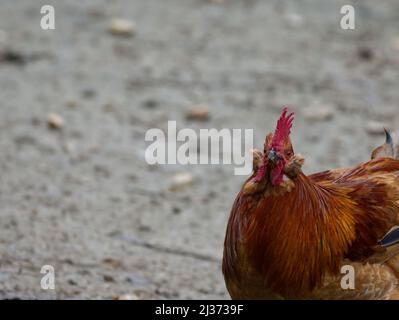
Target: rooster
{"type": "Point", "coordinates": [289, 234]}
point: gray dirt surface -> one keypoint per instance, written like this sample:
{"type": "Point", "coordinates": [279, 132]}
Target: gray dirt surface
{"type": "Point", "coordinates": [82, 199]}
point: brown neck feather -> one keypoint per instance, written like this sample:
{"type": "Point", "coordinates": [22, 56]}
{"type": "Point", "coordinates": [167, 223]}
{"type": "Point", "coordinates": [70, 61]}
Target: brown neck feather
{"type": "Point", "coordinates": [294, 236]}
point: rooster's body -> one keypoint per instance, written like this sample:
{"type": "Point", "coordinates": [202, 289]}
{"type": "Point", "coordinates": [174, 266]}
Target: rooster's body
{"type": "Point", "coordinates": [289, 237]}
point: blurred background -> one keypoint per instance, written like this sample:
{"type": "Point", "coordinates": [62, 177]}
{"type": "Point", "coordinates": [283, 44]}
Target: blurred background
{"type": "Point", "coordinates": [76, 102]}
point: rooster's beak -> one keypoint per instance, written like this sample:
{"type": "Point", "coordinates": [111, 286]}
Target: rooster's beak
{"type": "Point", "coordinates": [273, 157]}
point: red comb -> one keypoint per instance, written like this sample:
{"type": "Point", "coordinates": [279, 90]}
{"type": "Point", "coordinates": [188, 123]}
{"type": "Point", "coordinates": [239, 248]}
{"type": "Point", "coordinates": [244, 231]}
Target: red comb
{"type": "Point", "coordinates": [283, 129]}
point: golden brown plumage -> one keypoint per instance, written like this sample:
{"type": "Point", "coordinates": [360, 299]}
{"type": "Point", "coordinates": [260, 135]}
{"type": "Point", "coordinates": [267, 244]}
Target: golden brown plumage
{"type": "Point", "coordinates": [290, 239]}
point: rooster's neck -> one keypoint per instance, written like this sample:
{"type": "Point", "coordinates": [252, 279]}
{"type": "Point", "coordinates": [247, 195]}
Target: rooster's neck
{"type": "Point", "coordinates": [297, 232]}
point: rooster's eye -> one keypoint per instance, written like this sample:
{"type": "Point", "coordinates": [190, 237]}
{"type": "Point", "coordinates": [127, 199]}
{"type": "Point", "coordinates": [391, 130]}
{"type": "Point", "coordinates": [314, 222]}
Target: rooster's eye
{"type": "Point", "coordinates": [288, 154]}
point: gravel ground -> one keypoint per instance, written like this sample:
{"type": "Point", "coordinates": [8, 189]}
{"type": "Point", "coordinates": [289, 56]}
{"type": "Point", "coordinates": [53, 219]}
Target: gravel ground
{"type": "Point", "coordinates": [80, 196]}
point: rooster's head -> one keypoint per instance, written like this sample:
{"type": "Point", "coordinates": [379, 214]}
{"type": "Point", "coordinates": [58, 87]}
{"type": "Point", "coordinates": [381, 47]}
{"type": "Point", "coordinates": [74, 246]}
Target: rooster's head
{"type": "Point", "coordinates": [277, 151]}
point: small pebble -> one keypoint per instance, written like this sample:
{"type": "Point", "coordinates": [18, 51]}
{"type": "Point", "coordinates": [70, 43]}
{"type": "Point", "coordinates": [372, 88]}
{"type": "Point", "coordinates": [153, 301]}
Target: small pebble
{"type": "Point", "coordinates": [128, 296]}
{"type": "Point", "coordinates": [199, 113]}
{"type": "Point", "coordinates": [137, 280]}
{"type": "Point", "coordinates": [55, 121]}
{"type": "Point", "coordinates": [180, 181]}
{"type": "Point", "coordinates": [318, 113]}
{"type": "Point", "coordinates": [122, 27]}
{"type": "Point", "coordinates": [108, 278]}
{"type": "Point", "coordinates": [114, 263]}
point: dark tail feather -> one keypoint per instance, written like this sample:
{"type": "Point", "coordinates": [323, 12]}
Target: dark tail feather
{"type": "Point", "coordinates": [391, 238]}
{"type": "Point", "coordinates": [390, 149]}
